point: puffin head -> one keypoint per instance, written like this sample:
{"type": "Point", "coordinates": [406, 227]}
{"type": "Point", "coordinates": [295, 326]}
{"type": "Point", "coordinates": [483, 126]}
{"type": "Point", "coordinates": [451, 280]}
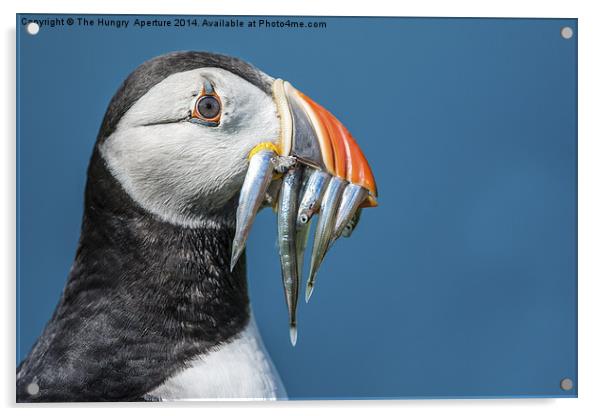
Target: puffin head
{"type": "Point", "coordinates": [179, 147]}
{"type": "Point", "coordinates": [199, 139]}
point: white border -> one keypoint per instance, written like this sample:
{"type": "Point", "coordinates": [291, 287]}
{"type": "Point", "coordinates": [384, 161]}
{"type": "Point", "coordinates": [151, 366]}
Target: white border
{"type": "Point", "coordinates": [590, 191]}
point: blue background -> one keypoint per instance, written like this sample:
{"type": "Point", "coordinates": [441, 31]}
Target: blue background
{"type": "Point", "coordinates": [461, 283]}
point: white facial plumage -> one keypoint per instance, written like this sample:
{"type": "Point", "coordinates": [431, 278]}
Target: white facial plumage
{"type": "Point", "coordinates": [183, 172]}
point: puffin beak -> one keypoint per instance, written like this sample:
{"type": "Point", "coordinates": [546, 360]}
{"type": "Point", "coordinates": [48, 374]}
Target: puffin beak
{"type": "Point", "coordinates": [322, 171]}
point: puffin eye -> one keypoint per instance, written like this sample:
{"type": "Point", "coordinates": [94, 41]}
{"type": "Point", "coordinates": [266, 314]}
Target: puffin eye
{"type": "Point", "coordinates": [207, 108]}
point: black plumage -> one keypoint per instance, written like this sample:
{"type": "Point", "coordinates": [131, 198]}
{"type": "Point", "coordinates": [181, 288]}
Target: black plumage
{"type": "Point", "coordinates": [143, 295]}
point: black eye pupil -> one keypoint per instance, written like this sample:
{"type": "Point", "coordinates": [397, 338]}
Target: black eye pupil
{"type": "Point", "coordinates": [208, 107]}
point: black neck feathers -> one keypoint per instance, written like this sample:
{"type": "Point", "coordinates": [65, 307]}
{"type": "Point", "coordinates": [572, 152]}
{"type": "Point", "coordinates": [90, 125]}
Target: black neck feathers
{"type": "Point", "coordinates": [142, 297]}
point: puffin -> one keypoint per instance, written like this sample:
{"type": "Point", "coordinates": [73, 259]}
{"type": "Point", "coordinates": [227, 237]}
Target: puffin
{"type": "Point", "coordinates": [155, 306]}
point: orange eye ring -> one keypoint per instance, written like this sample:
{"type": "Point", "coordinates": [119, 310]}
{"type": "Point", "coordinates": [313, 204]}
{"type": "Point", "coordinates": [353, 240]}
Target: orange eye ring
{"type": "Point", "coordinates": [207, 107]}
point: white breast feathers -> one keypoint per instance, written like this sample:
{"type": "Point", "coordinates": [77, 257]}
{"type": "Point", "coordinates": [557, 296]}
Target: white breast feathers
{"type": "Point", "coordinates": [240, 369]}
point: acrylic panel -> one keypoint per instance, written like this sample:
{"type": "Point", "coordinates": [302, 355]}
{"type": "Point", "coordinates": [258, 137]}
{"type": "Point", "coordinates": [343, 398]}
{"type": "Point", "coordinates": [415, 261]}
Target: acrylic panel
{"type": "Point", "coordinates": [462, 282]}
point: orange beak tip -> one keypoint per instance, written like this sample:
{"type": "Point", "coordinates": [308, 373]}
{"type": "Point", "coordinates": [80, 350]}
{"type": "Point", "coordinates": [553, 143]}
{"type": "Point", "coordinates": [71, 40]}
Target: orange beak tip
{"type": "Point", "coordinates": [339, 153]}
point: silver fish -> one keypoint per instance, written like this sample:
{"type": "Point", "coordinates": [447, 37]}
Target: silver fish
{"type": "Point", "coordinates": [312, 190]}
{"type": "Point", "coordinates": [348, 229]}
{"type": "Point", "coordinates": [301, 244]}
{"type": "Point", "coordinates": [287, 213]}
{"type": "Point", "coordinates": [252, 195]}
{"type": "Point", "coordinates": [312, 196]}
{"type": "Point", "coordinates": [324, 230]}
{"type": "Point", "coordinates": [353, 196]}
